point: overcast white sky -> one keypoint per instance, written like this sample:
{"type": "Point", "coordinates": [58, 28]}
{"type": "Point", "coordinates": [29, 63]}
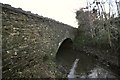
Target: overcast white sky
{"type": "Point", "coordinates": [60, 10]}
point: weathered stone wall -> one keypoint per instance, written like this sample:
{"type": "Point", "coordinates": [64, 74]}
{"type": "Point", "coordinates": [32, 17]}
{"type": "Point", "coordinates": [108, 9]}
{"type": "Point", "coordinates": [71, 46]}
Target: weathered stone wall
{"type": "Point", "coordinates": [30, 43]}
{"type": "Point", "coordinates": [0, 43]}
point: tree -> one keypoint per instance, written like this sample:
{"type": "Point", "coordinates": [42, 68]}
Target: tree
{"type": "Point", "coordinates": [98, 25]}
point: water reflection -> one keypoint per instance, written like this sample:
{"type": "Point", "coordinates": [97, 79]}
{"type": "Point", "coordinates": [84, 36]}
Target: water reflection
{"type": "Point", "coordinates": [87, 66]}
{"type": "Point", "coordinates": [66, 60]}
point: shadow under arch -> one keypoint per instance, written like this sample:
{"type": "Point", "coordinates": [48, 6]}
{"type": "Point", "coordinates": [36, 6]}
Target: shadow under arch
{"type": "Point", "coordinates": [64, 50]}
{"type": "Point", "coordinates": [65, 46]}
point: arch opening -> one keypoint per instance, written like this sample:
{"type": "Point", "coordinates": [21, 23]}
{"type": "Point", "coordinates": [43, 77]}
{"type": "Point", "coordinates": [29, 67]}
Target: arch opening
{"type": "Point", "coordinates": [62, 55]}
{"type": "Point", "coordinates": [65, 46]}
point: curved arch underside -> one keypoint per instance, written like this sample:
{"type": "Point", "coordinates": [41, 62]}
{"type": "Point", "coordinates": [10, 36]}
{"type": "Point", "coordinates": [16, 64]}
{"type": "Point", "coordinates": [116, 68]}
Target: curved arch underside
{"type": "Point", "coordinates": [65, 46]}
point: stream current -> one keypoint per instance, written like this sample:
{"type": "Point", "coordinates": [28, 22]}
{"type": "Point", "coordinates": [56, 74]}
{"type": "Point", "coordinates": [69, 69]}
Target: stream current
{"type": "Point", "coordinates": [86, 66]}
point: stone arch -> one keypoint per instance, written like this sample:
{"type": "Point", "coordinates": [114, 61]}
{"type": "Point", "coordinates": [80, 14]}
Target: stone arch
{"type": "Point", "coordinates": [64, 47]}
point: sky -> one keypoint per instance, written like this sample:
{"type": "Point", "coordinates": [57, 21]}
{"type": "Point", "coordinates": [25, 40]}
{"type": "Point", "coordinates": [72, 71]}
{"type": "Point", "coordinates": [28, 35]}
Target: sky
{"type": "Point", "coordinates": [60, 10]}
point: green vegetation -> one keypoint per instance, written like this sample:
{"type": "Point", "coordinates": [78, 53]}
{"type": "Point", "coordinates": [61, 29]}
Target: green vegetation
{"type": "Point", "coordinates": [97, 28]}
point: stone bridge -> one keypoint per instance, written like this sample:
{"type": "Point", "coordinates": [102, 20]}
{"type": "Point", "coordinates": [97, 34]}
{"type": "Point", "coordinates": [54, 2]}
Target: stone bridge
{"type": "Point", "coordinates": [30, 43]}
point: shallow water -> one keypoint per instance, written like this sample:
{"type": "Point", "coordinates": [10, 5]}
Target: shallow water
{"type": "Point", "coordinates": [87, 66]}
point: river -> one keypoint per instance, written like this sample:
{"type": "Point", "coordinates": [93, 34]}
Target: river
{"type": "Point", "coordinates": [86, 67]}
